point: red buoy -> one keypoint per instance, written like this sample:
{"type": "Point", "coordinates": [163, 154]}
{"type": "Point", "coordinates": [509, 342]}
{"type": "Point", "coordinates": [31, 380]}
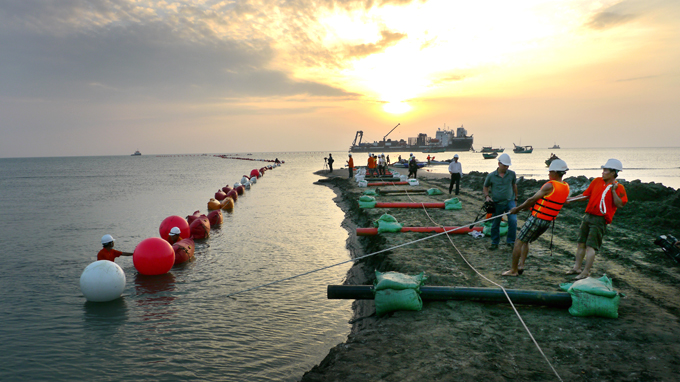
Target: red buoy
{"type": "Point", "coordinates": [153, 256]}
{"type": "Point", "coordinates": [220, 195]}
{"type": "Point", "coordinates": [174, 221]}
{"type": "Point", "coordinates": [200, 228]}
{"type": "Point", "coordinates": [255, 173]}
{"type": "Point", "coordinates": [233, 194]}
{"type": "Point", "coordinates": [240, 190]}
{"type": "Point", "coordinates": [226, 189]}
{"type": "Point", "coordinates": [191, 218]}
{"type": "Point", "coordinates": [184, 250]}
{"type": "Point", "coordinates": [215, 218]}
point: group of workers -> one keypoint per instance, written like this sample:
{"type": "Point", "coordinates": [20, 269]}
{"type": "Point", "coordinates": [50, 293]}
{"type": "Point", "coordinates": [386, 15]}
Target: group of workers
{"type": "Point", "coordinates": [110, 254]}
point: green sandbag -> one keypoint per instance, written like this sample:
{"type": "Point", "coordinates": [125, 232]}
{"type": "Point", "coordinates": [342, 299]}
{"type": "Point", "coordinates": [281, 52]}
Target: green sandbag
{"type": "Point", "coordinates": [487, 228]}
{"type": "Point", "coordinates": [390, 300]}
{"type": "Point", "coordinates": [366, 201]}
{"type": "Point", "coordinates": [453, 204]}
{"type": "Point", "coordinates": [434, 191]}
{"type": "Point", "coordinates": [370, 192]}
{"type": "Point", "coordinates": [593, 297]}
{"type": "Point", "coordinates": [398, 281]}
{"type": "Point", "coordinates": [387, 223]}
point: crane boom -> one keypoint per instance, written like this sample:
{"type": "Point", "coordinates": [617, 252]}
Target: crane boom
{"type": "Point", "coordinates": [391, 131]}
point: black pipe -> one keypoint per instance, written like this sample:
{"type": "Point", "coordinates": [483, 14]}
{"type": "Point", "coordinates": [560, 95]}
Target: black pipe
{"type": "Point", "coordinates": [398, 191]}
{"type": "Point", "coordinates": [443, 293]}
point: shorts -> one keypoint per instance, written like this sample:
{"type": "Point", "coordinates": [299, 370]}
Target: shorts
{"type": "Point", "coordinates": [532, 229]}
{"type": "Point", "coordinates": [592, 231]}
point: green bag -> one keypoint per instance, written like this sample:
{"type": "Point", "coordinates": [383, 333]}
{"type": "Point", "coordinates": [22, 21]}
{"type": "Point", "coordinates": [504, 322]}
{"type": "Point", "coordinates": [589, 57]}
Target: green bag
{"type": "Point", "coordinates": [387, 223]}
{"type": "Point", "coordinates": [434, 191]}
{"type": "Point", "coordinates": [487, 228]}
{"type": "Point", "coordinates": [453, 204]}
{"type": "Point", "coordinates": [390, 300]}
{"type": "Point", "coordinates": [370, 192]}
{"type": "Point", "coordinates": [593, 297]}
{"type": "Point", "coordinates": [366, 201]}
{"type": "Point", "coordinates": [397, 281]}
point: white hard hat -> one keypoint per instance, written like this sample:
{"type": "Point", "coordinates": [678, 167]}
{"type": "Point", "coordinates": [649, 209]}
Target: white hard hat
{"type": "Point", "coordinates": [455, 156]}
{"type": "Point", "coordinates": [350, 154]}
{"type": "Point", "coordinates": [411, 154]}
{"type": "Point", "coordinates": [174, 231]}
{"type": "Point", "coordinates": [107, 239]}
{"type": "Point", "coordinates": [614, 164]}
{"type": "Point", "coordinates": [505, 159]}
{"type": "Point", "coordinates": [558, 165]}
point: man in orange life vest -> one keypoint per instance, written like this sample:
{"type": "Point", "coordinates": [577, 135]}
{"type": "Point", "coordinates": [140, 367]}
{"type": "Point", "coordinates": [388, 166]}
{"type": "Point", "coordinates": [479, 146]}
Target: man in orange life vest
{"type": "Point", "coordinates": [604, 196]}
{"type": "Point", "coordinates": [350, 165]}
{"type": "Point", "coordinates": [108, 253]}
{"type": "Point", "coordinates": [545, 205]}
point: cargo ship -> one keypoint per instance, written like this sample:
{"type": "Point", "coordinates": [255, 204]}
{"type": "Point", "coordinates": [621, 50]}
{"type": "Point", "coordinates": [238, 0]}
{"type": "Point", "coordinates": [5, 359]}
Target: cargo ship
{"type": "Point", "coordinates": [444, 140]}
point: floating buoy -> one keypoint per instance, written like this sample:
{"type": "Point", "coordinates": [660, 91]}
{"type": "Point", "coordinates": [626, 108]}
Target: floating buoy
{"type": "Point", "coordinates": [153, 256]}
{"type": "Point", "coordinates": [102, 281]}
{"type": "Point", "coordinates": [215, 218]}
{"type": "Point", "coordinates": [237, 185]}
{"type": "Point", "coordinates": [220, 195]}
{"type": "Point", "coordinates": [200, 228]}
{"type": "Point", "coordinates": [228, 204]}
{"type": "Point", "coordinates": [226, 189]}
{"type": "Point", "coordinates": [255, 173]}
{"type": "Point", "coordinates": [191, 219]}
{"type": "Point", "coordinates": [240, 190]}
{"type": "Point", "coordinates": [244, 180]}
{"type": "Point", "coordinates": [174, 221]}
{"type": "Point", "coordinates": [233, 194]}
{"type": "Point", "coordinates": [184, 250]}
{"type": "Point", "coordinates": [213, 204]}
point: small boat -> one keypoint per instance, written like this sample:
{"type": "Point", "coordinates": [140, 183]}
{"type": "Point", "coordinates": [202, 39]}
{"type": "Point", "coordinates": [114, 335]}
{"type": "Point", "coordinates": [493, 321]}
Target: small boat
{"type": "Point", "coordinates": [555, 146]}
{"type": "Point", "coordinates": [489, 149]}
{"type": "Point", "coordinates": [136, 153]}
{"type": "Point", "coordinates": [551, 159]}
{"type": "Point", "coordinates": [405, 164]}
{"type": "Point", "coordinates": [491, 155]}
{"type": "Point", "coordinates": [523, 149]}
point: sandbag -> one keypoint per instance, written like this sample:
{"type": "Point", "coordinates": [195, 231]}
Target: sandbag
{"type": "Point", "coordinates": [387, 223]}
{"type": "Point", "coordinates": [453, 204]}
{"type": "Point", "coordinates": [390, 300]}
{"type": "Point", "coordinates": [593, 297]}
{"type": "Point", "coordinates": [413, 182]}
{"type": "Point", "coordinates": [370, 192]}
{"type": "Point", "coordinates": [362, 183]}
{"type": "Point", "coordinates": [487, 228]}
{"type": "Point", "coordinates": [434, 191]}
{"type": "Point", "coordinates": [397, 281]}
{"type": "Point", "coordinates": [366, 201]}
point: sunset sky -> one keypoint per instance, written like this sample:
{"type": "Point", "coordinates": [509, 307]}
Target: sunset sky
{"type": "Point", "coordinates": [107, 77]}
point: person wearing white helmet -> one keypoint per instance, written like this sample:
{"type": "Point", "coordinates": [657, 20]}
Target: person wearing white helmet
{"type": "Point", "coordinates": [108, 253]}
{"type": "Point", "coordinates": [545, 205]}
{"type": "Point", "coordinates": [605, 195]}
{"type": "Point", "coordinates": [456, 171]}
{"type": "Point", "coordinates": [381, 164]}
{"type": "Point", "coordinates": [413, 167]}
{"type": "Point", "coordinates": [500, 187]}
{"type": "Point", "coordinates": [173, 235]}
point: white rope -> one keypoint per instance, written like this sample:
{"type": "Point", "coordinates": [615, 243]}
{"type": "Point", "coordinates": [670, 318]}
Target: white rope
{"type": "Point", "coordinates": [494, 283]}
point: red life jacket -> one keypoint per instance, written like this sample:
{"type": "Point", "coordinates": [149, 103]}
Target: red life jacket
{"type": "Point", "coordinates": [549, 206]}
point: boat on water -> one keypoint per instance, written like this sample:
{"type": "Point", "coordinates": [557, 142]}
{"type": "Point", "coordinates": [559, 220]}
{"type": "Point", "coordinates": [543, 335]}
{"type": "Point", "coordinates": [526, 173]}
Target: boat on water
{"type": "Point", "coordinates": [444, 140]}
{"type": "Point", "coordinates": [555, 146]}
{"type": "Point", "coordinates": [551, 159]}
{"type": "Point", "coordinates": [405, 164]}
{"type": "Point", "coordinates": [489, 149]}
{"type": "Point", "coordinates": [136, 153]}
{"type": "Point", "coordinates": [522, 149]}
{"type": "Point", "coordinates": [490, 155]}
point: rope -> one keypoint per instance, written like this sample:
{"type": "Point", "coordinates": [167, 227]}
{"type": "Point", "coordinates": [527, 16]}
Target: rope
{"type": "Point", "coordinates": [494, 283]}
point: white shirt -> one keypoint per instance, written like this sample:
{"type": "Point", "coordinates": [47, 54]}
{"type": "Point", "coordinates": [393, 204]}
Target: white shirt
{"type": "Point", "coordinates": [456, 167]}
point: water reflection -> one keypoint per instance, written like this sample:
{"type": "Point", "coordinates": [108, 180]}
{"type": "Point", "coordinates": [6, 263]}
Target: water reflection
{"type": "Point", "coordinates": [155, 296]}
{"type": "Point", "coordinates": [111, 313]}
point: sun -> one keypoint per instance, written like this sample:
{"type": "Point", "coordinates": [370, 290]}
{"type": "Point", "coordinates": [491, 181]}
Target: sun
{"type": "Point", "coordinates": [396, 107]}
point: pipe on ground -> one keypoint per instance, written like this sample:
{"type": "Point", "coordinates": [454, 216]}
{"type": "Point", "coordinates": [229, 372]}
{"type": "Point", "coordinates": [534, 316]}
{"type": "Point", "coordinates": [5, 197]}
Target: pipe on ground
{"type": "Point", "coordinates": [458, 230]}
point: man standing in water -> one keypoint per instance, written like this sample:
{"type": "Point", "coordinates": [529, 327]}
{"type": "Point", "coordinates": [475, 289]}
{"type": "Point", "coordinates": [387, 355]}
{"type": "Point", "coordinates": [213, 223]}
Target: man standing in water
{"type": "Point", "coordinates": [604, 196]}
{"type": "Point", "coordinates": [545, 205]}
{"type": "Point", "coordinates": [456, 171]}
{"type": "Point", "coordinates": [108, 253]}
{"type": "Point", "coordinates": [503, 186]}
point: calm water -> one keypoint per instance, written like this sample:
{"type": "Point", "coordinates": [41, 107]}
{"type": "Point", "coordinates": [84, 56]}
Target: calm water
{"type": "Point", "coordinates": [179, 326]}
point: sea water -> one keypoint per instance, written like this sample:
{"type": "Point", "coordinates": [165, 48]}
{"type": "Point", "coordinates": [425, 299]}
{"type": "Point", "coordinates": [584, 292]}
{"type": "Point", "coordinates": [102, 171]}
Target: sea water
{"type": "Point", "coordinates": [179, 326]}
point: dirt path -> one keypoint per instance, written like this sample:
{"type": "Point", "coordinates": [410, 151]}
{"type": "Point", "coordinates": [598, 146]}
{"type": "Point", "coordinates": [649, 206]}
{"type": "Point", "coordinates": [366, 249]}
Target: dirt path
{"type": "Point", "coordinates": [471, 341]}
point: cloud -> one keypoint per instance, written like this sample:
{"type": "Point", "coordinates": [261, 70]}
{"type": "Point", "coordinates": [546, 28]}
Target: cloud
{"type": "Point", "coordinates": [615, 15]}
{"type": "Point", "coordinates": [388, 39]}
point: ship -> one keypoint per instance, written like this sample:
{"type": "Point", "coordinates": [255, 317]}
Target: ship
{"type": "Point", "coordinates": [444, 140]}
{"type": "Point", "coordinates": [136, 153]}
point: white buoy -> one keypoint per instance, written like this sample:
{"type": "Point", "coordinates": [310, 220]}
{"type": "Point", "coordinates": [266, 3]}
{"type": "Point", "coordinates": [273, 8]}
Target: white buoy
{"type": "Point", "coordinates": [102, 281]}
{"type": "Point", "coordinates": [244, 180]}
{"type": "Point", "coordinates": [237, 184]}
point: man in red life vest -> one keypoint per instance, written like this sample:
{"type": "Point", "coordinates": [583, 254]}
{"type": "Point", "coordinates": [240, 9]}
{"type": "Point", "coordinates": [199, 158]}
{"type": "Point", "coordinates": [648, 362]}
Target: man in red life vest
{"type": "Point", "coordinates": [545, 205]}
{"type": "Point", "coordinates": [604, 196]}
{"type": "Point", "coordinates": [108, 253]}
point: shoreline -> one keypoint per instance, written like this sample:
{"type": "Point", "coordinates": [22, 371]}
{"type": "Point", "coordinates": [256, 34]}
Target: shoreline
{"type": "Point", "coordinates": [465, 340]}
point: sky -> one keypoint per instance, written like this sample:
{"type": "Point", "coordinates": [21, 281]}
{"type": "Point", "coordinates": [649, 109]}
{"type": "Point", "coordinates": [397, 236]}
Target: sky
{"type": "Point", "coordinates": [108, 77]}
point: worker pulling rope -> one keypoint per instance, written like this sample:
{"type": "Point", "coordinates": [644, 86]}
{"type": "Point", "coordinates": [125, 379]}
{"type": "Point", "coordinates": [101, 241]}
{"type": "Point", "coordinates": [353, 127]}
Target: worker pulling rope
{"type": "Point", "coordinates": [492, 282]}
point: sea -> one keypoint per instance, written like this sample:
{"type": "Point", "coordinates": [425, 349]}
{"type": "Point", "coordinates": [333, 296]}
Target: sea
{"type": "Point", "coordinates": [200, 321]}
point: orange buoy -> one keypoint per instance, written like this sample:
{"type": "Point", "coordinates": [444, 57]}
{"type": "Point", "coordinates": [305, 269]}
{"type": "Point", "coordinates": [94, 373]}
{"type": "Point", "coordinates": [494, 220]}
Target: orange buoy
{"type": "Point", "coordinates": [213, 204]}
{"type": "Point", "coordinates": [228, 204]}
{"type": "Point", "coordinates": [153, 256]}
{"type": "Point", "coordinates": [215, 218]}
{"type": "Point", "coordinates": [457, 230]}
{"type": "Point", "coordinates": [184, 250]}
{"type": "Point", "coordinates": [174, 221]}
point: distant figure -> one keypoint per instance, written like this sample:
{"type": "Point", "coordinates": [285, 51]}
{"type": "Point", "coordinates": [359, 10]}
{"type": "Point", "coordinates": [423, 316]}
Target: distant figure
{"type": "Point", "coordinates": [502, 183]}
{"type": "Point", "coordinates": [108, 253]}
{"type": "Point", "coordinates": [381, 164]}
{"type": "Point", "coordinates": [388, 159]}
{"type": "Point", "coordinates": [277, 161]}
{"type": "Point", "coordinates": [545, 205]}
{"type": "Point", "coordinates": [371, 164]}
{"type": "Point", "coordinates": [330, 163]}
{"type": "Point", "coordinates": [350, 165]}
{"type": "Point", "coordinates": [412, 167]}
{"type": "Point", "coordinates": [399, 158]}
{"type": "Point", "coordinates": [456, 171]}
{"type": "Point", "coordinates": [604, 196]}
{"type": "Point", "coordinates": [173, 236]}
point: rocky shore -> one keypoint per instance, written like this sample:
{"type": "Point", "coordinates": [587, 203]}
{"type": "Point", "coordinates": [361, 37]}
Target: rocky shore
{"type": "Point", "coordinates": [472, 341]}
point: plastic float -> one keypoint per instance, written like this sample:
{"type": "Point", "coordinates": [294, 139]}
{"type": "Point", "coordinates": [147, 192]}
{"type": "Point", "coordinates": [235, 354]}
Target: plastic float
{"type": "Point", "coordinates": [226, 189]}
{"type": "Point", "coordinates": [102, 281]}
{"type": "Point", "coordinates": [220, 195]}
{"type": "Point", "coordinates": [153, 256]}
{"type": "Point", "coordinates": [191, 218]}
{"type": "Point", "coordinates": [255, 173]}
{"type": "Point", "coordinates": [215, 218]}
{"type": "Point", "coordinates": [442, 293]}
{"type": "Point", "coordinates": [233, 194]}
{"type": "Point", "coordinates": [240, 190]}
{"type": "Point", "coordinates": [174, 221]}
{"type": "Point", "coordinates": [200, 228]}
{"type": "Point", "coordinates": [213, 204]}
{"type": "Point", "coordinates": [458, 230]}
{"type": "Point", "coordinates": [184, 250]}
{"type": "Point", "coordinates": [228, 204]}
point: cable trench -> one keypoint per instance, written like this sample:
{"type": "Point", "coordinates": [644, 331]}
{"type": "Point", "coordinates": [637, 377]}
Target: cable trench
{"type": "Point", "coordinates": [491, 281]}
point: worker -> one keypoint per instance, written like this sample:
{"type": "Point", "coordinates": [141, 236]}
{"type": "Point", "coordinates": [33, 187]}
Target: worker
{"type": "Point", "coordinates": [502, 183]}
{"type": "Point", "coordinates": [350, 165]}
{"type": "Point", "coordinates": [545, 205]}
{"type": "Point", "coordinates": [108, 253]}
{"type": "Point", "coordinates": [173, 235]}
{"type": "Point", "coordinates": [456, 171]}
{"type": "Point", "coordinates": [605, 195]}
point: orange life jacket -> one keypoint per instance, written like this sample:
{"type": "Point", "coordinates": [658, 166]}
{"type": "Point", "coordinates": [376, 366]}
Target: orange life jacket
{"type": "Point", "coordinates": [549, 206]}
